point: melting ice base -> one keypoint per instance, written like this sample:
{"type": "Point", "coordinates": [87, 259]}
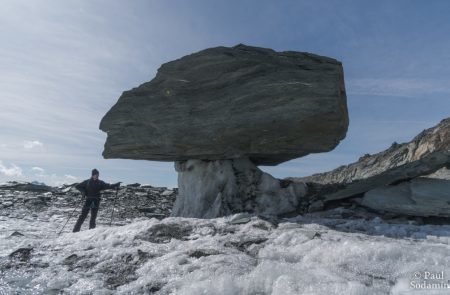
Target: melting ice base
{"type": "Point", "coordinates": [303, 255]}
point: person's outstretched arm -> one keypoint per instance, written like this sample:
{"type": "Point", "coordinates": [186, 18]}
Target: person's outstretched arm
{"type": "Point", "coordinates": [110, 186]}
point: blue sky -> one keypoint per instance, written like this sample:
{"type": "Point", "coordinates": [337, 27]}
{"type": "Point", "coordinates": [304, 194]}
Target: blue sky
{"type": "Point", "coordinates": [63, 64]}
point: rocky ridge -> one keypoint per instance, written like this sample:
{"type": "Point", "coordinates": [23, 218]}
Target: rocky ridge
{"type": "Point", "coordinates": [436, 138]}
{"type": "Point", "coordinates": [22, 200]}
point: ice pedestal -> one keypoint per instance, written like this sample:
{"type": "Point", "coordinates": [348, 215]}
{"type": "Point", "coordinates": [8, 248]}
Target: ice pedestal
{"type": "Point", "coordinates": [208, 189]}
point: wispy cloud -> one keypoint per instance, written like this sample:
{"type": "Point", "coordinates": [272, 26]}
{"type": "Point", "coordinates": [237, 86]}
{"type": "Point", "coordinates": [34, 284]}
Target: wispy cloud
{"type": "Point", "coordinates": [12, 171]}
{"type": "Point", "coordinates": [38, 170]}
{"type": "Point", "coordinates": [56, 180]}
{"type": "Point", "coordinates": [32, 144]}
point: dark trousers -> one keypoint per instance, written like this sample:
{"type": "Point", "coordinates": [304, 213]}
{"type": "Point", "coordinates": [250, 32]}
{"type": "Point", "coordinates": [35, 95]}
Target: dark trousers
{"type": "Point", "coordinates": [90, 204]}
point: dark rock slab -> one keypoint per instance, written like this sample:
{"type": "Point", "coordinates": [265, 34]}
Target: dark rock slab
{"type": "Point", "coordinates": [163, 232]}
{"type": "Point", "coordinates": [424, 166]}
{"type": "Point", "coordinates": [198, 253]}
{"type": "Point", "coordinates": [16, 234]}
{"type": "Point", "coordinates": [21, 254]}
{"type": "Point", "coordinates": [419, 197]}
{"type": "Point", "coordinates": [71, 259]}
{"type": "Point", "coordinates": [232, 102]}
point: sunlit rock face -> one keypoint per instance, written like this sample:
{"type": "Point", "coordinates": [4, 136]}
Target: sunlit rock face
{"type": "Point", "coordinates": [209, 189]}
{"type": "Point", "coordinates": [232, 102]}
{"type": "Point", "coordinates": [433, 140]}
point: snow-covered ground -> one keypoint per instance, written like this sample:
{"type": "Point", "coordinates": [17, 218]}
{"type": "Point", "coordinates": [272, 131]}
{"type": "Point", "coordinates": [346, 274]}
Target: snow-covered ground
{"type": "Point", "coordinates": [313, 254]}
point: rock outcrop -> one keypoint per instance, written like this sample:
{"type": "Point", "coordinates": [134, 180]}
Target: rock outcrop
{"type": "Point", "coordinates": [26, 186]}
{"type": "Point", "coordinates": [220, 112]}
{"type": "Point", "coordinates": [232, 102]}
{"type": "Point", "coordinates": [21, 199]}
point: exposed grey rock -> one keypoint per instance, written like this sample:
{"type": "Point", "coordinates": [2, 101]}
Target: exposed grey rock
{"type": "Point", "coordinates": [232, 102]}
{"type": "Point", "coordinates": [7, 204]}
{"type": "Point", "coordinates": [240, 220]}
{"type": "Point", "coordinates": [26, 186]}
{"type": "Point", "coordinates": [433, 139]}
{"type": "Point", "coordinates": [247, 244]}
{"type": "Point", "coordinates": [35, 202]}
{"type": "Point", "coordinates": [146, 186]}
{"type": "Point", "coordinates": [198, 253]}
{"type": "Point", "coordinates": [162, 233]}
{"type": "Point", "coordinates": [167, 193]}
{"type": "Point", "coordinates": [71, 259]}
{"type": "Point", "coordinates": [22, 254]}
{"type": "Point", "coordinates": [16, 234]}
{"type": "Point", "coordinates": [443, 173]}
{"type": "Point", "coordinates": [147, 209]}
{"type": "Point", "coordinates": [209, 189]}
{"type": "Point", "coordinates": [418, 197]}
{"type": "Point", "coordinates": [240, 216]}
{"type": "Point", "coordinates": [316, 206]}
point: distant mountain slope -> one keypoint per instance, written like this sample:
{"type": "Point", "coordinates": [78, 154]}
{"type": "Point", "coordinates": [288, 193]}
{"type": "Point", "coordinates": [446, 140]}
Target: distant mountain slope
{"type": "Point", "coordinates": [433, 139]}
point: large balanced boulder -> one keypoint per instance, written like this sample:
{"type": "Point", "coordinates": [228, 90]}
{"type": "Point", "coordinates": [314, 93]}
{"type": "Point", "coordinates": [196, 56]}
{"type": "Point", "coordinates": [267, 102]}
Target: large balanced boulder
{"type": "Point", "coordinates": [220, 112]}
{"type": "Point", "coordinates": [232, 102]}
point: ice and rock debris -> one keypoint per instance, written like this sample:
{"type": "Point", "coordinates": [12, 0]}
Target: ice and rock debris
{"type": "Point", "coordinates": [345, 250]}
{"type": "Point", "coordinates": [331, 252]}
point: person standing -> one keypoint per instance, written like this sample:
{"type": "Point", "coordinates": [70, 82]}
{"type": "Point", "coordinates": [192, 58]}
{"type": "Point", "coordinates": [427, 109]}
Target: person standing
{"type": "Point", "coordinates": [90, 188]}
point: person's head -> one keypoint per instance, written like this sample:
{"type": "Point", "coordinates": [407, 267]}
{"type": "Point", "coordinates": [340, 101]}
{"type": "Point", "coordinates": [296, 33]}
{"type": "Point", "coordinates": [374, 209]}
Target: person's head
{"type": "Point", "coordinates": [95, 174]}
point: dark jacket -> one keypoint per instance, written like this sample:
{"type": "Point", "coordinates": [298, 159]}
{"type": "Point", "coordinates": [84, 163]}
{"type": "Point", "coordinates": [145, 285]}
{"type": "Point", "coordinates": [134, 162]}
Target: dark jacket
{"type": "Point", "coordinates": [91, 188]}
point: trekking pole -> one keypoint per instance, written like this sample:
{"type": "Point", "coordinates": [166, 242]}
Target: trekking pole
{"type": "Point", "coordinates": [114, 204]}
{"type": "Point", "coordinates": [70, 216]}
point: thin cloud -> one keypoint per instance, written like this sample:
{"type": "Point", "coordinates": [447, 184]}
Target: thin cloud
{"type": "Point", "coordinates": [38, 169]}
{"type": "Point", "coordinates": [12, 171]}
{"type": "Point", "coordinates": [54, 179]}
{"type": "Point", "coordinates": [32, 144]}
